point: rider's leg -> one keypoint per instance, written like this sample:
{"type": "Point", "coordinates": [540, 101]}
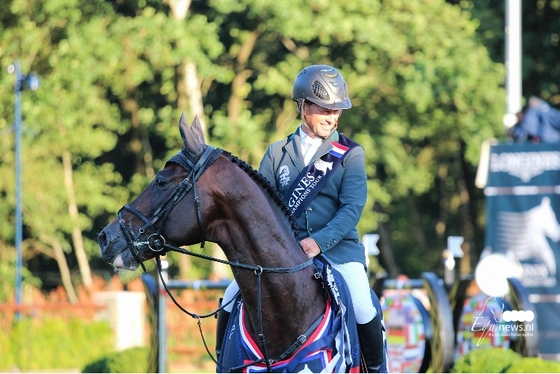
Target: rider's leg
{"type": "Point", "coordinates": [223, 316]}
{"type": "Point", "coordinates": [371, 344]}
{"type": "Point", "coordinates": [229, 294]}
{"type": "Point", "coordinates": [368, 319]}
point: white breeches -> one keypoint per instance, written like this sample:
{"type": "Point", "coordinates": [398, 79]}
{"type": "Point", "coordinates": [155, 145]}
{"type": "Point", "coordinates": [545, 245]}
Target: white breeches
{"type": "Point", "coordinates": [358, 284]}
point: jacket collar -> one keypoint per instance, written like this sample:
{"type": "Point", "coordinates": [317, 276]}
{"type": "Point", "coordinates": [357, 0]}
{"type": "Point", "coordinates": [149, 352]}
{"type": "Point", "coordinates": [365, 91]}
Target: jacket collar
{"type": "Point", "coordinates": [293, 147]}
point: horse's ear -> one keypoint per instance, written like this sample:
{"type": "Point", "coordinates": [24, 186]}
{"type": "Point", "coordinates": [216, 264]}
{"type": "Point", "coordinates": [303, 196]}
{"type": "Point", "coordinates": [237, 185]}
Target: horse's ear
{"type": "Point", "coordinates": [191, 141]}
{"type": "Point", "coordinates": [198, 132]}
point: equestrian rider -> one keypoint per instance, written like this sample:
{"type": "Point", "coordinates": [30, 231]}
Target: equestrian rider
{"type": "Point", "coordinates": [327, 214]}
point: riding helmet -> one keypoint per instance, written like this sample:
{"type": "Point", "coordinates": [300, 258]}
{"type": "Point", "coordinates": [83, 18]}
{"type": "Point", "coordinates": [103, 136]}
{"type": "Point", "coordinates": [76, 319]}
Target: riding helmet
{"type": "Point", "coordinates": [322, 85]}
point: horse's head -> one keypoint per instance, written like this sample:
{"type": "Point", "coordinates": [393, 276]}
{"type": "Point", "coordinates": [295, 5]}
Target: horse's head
{"type": "Point", "coordinates": [144, 227]}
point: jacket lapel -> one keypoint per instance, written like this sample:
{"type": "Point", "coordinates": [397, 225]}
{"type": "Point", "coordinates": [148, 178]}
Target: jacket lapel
{"type": "Point", "coordinates": [293, 148]}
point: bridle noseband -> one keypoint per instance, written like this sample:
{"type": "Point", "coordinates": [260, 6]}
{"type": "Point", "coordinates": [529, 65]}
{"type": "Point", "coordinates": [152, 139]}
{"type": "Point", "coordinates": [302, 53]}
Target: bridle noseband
{"type": "Point", "coordinates": [156, 241]}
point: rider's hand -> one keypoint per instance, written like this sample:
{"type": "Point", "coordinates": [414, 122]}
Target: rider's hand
{"type": "Point", "coordinates": [310, 247]}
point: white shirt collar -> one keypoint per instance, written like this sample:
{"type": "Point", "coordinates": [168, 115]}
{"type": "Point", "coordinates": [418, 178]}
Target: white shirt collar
{"type": "Point", "coordinates": [309, 145]}
{"type": "Point", "coordinates": [308, 141]}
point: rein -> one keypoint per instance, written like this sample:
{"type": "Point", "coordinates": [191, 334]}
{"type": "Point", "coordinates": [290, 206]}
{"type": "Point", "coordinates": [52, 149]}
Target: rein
{"type": "Point", "coordinates": [258, 270]}
{"type": "Point", "coordinates": [156, 242]}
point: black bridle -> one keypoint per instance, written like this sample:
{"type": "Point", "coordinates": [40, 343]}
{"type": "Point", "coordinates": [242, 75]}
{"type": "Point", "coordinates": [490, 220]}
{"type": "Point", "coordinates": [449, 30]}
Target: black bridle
{"type": "Point", "coordinates": [156, 241]}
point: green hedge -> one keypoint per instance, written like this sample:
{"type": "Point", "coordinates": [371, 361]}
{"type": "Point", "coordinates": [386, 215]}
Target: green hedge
{"type": "Point", "coordinates": [534, 365]}
{"type": "Point", "coordinates": [133, 360]}
{"type": "Point", "coordinates": [53, 343]}
{"type": "Point", "coordinates": [500, 360]}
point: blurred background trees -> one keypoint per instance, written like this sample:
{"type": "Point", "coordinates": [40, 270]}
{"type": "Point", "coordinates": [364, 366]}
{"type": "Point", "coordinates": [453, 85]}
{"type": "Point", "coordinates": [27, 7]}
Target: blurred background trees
{"type": "Point", "coordinates": [426, 80]}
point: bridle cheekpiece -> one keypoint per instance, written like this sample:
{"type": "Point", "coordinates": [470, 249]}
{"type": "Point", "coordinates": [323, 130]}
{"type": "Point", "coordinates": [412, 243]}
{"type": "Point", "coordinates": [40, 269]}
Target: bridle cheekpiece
{"type": "Point", "coordinates": [156, 242]}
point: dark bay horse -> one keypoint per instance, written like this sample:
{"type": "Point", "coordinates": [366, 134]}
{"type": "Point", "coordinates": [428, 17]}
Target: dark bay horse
{"type": "Point", "coordinates": [205, 194]}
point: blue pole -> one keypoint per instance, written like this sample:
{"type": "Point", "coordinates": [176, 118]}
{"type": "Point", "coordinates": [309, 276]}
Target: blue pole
{"type": "Point", "coordinates": [32, 82]}
{"type": "Point", "coordinates": [19, 220]}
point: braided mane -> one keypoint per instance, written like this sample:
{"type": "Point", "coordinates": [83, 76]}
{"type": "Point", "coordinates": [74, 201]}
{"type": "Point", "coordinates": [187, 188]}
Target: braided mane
{"type": "Point", "coordinates": [263, 182]}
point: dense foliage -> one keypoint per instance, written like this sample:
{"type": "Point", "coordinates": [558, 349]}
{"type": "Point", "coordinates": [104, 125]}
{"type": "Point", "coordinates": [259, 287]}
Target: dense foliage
{"type": "Point", "coordinates": [499, 360]}
{"type": "Point", "coordinates": [486, 360]}
{"type": "Point", "coordinates": [33, 345]}
{"type": "Point", "coordinates": [132, 360]}
{"type": "Point", "coordinates": [425, 79]}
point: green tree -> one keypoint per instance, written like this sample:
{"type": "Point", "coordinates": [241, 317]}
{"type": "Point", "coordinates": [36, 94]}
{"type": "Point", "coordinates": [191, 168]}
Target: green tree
{"type": "Point", "coordinates": [116, 75]}
{"type": "Point", "coordinates": [104, 76]}
{"type": "Point", "coordinates": [425, 93]}
{"type": "Point", "coordinates": [67, 124]}
{"type": "Point", "coordinates": [540, 41]}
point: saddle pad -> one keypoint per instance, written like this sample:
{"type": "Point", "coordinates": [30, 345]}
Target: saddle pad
{"type": "Point", "coordinates": [323, 352]}
{"type": "Point", "coordinates": [332, 347]}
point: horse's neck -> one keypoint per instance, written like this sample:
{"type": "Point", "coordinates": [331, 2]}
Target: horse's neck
{"type": "Point", "coordinates": [260, 235]}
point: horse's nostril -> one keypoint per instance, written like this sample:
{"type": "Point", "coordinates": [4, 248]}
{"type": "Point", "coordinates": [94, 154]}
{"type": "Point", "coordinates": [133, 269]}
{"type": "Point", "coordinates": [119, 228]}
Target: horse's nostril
{"type": "Point", "coordinates": [102, 240]}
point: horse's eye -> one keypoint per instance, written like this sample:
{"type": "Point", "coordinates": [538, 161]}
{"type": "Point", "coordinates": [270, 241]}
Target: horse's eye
{"type": "Point", "coordinates": [160, 182]}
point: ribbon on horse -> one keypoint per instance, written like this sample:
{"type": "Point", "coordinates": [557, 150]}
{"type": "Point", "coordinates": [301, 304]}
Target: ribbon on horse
{"type": "Point", "coordinates": [332, 347]}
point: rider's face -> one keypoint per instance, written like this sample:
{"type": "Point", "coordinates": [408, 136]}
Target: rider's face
{"type": "Point", "coordinates": [321, 121]}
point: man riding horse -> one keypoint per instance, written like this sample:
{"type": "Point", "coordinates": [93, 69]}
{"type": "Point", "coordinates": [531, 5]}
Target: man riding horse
{"type": "Point", "coordinates": [321, 175]}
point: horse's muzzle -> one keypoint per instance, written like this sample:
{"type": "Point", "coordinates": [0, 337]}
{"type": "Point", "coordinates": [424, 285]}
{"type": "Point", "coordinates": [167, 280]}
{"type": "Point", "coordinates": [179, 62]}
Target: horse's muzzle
{"type": "Point", "coordinates": [103, 242]}
{"type": "Point", "coordinates": [117, 250]}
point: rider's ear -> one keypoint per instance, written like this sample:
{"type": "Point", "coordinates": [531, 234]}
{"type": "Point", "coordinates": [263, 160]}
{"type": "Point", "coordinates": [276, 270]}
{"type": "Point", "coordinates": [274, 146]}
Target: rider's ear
{"type": "Point", "coordinates": [192, 142]}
